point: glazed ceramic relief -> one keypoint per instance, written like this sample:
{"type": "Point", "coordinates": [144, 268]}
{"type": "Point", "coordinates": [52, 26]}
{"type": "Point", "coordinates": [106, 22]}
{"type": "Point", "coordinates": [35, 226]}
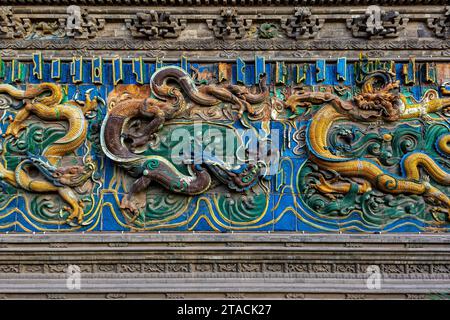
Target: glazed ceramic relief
{"type": "Point", "coordinates": [98, 144]}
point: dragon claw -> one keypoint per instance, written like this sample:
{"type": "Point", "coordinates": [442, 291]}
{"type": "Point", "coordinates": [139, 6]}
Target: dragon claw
{"type": "Point", "coordinates": [71, 223]}
{"type": "Point", "coordinates": [81, 204]}
{"type": "Point", "coordinates": [76, 214]}
{"type": "Point", "coordinates": [14, 129]}
{"type": "Point", "coordinates": [130, 208]}
{"type": "Point", "coordinates": [436, 210]}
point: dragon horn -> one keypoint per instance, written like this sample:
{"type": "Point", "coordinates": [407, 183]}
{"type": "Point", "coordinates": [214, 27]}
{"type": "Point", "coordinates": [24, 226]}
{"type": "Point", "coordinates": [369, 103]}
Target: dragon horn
{"type": "Point", "coordinates": [100, 99]}
{"type": "Point", "coordinates": [76, 95]}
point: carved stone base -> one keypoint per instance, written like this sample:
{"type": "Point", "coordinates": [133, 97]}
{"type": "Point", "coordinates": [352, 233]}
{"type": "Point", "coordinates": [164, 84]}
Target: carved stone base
{"type": "Point", "coordinates": [235, 266]}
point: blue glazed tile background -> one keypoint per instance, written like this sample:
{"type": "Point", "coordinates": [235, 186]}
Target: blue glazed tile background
{"type": "Point", "coordinates": [286, 211]}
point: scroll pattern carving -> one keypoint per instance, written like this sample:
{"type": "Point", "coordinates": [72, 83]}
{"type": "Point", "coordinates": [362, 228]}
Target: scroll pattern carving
{"type": "Point", "coordinates": [229, 25]}
{"type": "Point", "coordinates": [154, 25]}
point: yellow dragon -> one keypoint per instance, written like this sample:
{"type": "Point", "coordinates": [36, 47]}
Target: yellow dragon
{"type": "Point", "coordinates": [383, 104]}
{"type": "Point", "coordinates": [37, 101]}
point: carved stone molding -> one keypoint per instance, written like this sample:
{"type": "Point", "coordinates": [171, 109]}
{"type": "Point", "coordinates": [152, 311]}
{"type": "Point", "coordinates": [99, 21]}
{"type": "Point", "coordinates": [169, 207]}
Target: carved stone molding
{"type": "Point", "coordinates": [293, 266]}
{"type": "Point", "coordinates": [78, 24]}
{"type": "Point", "coordinates": [131, 44]}
{"type": "Point", "coordinates": [12, 27]}
{"type": "Point", "coordinates": [226, 2]}
{"type": "Point", "coordinates": [155, 25]}
{"type": "Point", "coordinates": [377, 23]}
{"type": "Point", "coordinates": [303, 25]}
{"type": "Point", "coordinates": [390, 270]}
{"type": "Point", "coordinates": [229, 25]}
{"type": "Point", "coordinates": [441, 26]}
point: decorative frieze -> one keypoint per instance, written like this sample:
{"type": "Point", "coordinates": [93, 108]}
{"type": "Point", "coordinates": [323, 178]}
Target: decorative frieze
{"type": "Point", "coordinates": [191, 3]}
{"type": "Point", "coordinates": [295, 296]}
{"type": "Point", "coordinates": [155, 25]}
{"type": "Point", "coordinates": [302, 48]}
{"type": "Point", "coordinates": [78, 24]}
{"type": "Point", "coordinates": [263, 265]}
{"type": "Point", "coordinates": [387, 269]}
{"type": "Point", "coordinates": [268, 31]}
{"type": "Point", "coordinates": [229, 25]}
{"type": "Point", "coordinates": [115, 296]}
{"type": "Point", "coordinates": [377, 23]}
{"type": "Point", "coordinates": [12, 27]}
{"type": "Point", "coordinates": [303, 25]}
{"type": "Point", "coordinates": [9, 268]}
{"type": "Point", "coordinates": [441, 25]}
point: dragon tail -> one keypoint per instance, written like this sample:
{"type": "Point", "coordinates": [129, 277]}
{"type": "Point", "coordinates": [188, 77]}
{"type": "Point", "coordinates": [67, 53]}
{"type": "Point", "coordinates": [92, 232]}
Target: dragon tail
{"type": "Point", "coordinates": [55, 96]}
{"type": "Point", "coordinates": [158, 83]}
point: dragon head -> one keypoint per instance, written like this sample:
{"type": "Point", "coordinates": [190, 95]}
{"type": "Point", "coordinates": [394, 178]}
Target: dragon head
{"type": "Point", "coordinates": [125, 92]}
{"type": "Point", "coordinates": [74, 176]}
{"type": "Point", "coordinates": [379, 98]}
